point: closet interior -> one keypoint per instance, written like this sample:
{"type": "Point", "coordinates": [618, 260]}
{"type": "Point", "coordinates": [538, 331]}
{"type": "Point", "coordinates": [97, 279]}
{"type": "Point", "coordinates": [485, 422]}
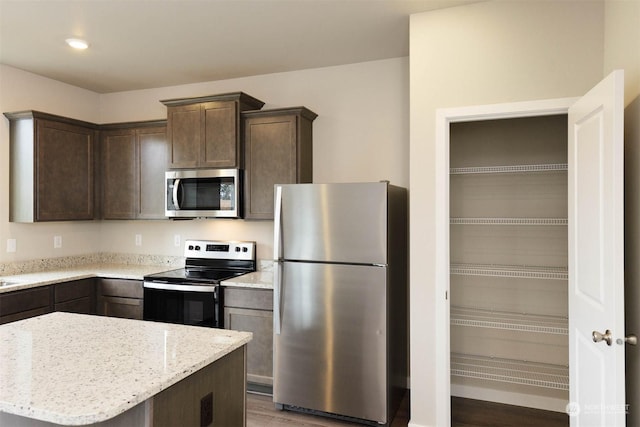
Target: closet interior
{"type": "Point", "coordinates": [508, 261]}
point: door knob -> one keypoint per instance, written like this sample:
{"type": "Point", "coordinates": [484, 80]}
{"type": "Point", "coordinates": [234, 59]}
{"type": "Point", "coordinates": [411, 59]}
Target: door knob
{"type": "Point", "coordinates": [606, 337]}
{"type": "Point", "coordinates": [629, 339]}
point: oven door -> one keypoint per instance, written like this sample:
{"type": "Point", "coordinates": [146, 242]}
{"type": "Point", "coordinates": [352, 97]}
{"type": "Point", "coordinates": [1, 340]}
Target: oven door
{"type": "Point", "coordinates": [182, 303]}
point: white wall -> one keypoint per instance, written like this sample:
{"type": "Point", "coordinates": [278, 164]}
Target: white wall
{"type": "Point", "coordinates": [483, 53]}
{"type": "Point", "coordinates": [361, 134]}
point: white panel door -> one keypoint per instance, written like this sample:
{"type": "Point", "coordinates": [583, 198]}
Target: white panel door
{"type": "Point", "coordinates": [596, 259]}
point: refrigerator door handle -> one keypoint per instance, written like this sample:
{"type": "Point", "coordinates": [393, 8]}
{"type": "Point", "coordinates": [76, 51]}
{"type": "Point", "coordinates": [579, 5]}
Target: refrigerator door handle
{"type": "Point", "coordinates": [277, 223]}
{"type": "Point", "coordinates": [277, 292]}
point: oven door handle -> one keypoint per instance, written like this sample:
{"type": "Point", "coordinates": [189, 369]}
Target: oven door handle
{"type": "Point", "coordinates": [176, 189]}
{"type": "Point", "coordinates": [179, 287]}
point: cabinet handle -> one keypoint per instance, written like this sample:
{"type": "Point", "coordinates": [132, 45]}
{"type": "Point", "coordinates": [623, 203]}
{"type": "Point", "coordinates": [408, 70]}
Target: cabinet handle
{"type": "Point", "coordinates": [176, 187]}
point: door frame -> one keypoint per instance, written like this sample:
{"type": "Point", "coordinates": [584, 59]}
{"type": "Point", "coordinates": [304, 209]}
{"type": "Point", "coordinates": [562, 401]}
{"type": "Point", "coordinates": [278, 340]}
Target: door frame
{"type": "Point", "coordinates": [444, 117]}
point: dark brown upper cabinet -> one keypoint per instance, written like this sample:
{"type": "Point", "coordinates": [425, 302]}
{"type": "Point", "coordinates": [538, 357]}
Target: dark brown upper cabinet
{"type": "Point", "coordinates": [134, 160]}
{"type": "Point", "coordinates": [52, 165]}
{"type": "Point", "coordinates": [278, 150]}
{"type": "Point", "coordinates": [205, 132]}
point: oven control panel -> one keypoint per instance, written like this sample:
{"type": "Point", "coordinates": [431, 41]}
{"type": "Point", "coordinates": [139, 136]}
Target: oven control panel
{"type": "Point", "coordinates": [214, 249]}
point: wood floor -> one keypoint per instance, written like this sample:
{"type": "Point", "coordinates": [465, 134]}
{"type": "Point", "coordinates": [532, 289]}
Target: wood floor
{"type": "Point", "coordinates": [262, 413]}
{"type": "Point", "coordinates": [465, 413]}
{"type": "Point", "coordinates": [477, 413]}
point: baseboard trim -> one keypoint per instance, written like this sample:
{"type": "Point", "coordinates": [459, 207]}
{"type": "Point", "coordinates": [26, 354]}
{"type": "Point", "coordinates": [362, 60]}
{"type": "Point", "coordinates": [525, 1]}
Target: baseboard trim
{"type": "Point", "coordinates": [510, 398]}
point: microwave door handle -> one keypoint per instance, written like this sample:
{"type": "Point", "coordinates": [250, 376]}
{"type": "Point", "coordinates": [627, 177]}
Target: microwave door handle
{"type": "Point", "coordinates": [176, 188]}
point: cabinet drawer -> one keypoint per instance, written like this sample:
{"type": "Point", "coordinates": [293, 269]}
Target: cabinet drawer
{"type": "Point", "coordinates": [260, 299]}
{"type": "Point", "coordinates": [73, 290]}
{"type": "Point", "coordinates": [120, 288]}
{"type": "Point", "coordinates": [25, 300]}
{"type": "Point", "coordinates": [24, 314]}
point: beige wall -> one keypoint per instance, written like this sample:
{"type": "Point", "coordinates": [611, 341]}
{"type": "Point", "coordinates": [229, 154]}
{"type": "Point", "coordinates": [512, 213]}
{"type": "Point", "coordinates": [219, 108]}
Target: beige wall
{"type": "Point", "coordinates": [632, 255]}
{"type": "Point", "coordinates": [622, 50]}
{"type": "Point", "coordinates": [622, 43]}
{"type": "Point", "coordinates": [484, 53]}
{"type": "Point", "coordinates": [361, 134]}
{"type": "Point", "coordinates": [25, 91]}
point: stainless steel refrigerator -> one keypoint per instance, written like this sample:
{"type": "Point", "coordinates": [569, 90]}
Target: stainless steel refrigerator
{"type": "Point", "coordinates": [340, 299]}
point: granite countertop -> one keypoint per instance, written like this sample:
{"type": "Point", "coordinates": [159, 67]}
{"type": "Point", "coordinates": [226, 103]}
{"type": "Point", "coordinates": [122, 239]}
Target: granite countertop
{"type": "Point", "coordinates": [78, 369]}
{"type": "Point", "coordinates": [48, 277]}
{"type": "Point", "coordinates": [259, 279]}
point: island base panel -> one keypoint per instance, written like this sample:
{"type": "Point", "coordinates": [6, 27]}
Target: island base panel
{"type": "Point", "coordinates": [184, 403]}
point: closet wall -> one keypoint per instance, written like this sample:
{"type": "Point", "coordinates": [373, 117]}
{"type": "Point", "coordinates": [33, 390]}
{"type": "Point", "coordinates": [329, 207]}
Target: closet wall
{"type": "Point", "coordinates": [508, 240]}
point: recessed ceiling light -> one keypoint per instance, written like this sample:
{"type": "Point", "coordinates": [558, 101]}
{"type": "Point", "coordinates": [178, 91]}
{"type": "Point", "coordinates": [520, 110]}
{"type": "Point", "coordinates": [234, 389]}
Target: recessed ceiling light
{"type": "Point", "coordinates": [77, 43]}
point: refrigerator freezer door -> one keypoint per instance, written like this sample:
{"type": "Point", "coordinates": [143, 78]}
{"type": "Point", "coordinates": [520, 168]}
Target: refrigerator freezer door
{"type": "Point", "coordinates": [344, 223]}
{"type": "Point", "coordinates": [330, 354]}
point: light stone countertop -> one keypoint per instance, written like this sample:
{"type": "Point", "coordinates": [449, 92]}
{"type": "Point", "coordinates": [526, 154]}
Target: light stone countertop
{"type": "Point", "coordinates": [257, 279]}
{"type": "Point", "coordinates": [76, 369]}
{"type": "Point", "coordinates": [112, 271]}
{"type": "Point", "coordinates": [262, 279]}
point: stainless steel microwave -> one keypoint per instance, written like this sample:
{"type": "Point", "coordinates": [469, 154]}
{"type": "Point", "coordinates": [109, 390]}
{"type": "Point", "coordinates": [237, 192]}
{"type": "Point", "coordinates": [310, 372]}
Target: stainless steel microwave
{"type": "Point", "coordinates": [203, 193]}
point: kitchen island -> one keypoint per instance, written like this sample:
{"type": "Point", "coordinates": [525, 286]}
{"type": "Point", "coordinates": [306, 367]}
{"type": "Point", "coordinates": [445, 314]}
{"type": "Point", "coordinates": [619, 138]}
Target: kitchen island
{"type": "Point", "coordinates": [75, 369]}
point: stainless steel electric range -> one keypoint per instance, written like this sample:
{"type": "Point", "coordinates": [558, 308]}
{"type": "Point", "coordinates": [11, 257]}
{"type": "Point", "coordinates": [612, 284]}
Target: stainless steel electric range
{"type": "Point", "coordinates": [192, 295]}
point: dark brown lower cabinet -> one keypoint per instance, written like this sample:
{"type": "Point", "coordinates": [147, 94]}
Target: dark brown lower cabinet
{"type": "Point", "coordinates": [120, 298]}
{"type": "Point", "coordinates": [18, 305]}
{"type": "Point", "coordinates": [77, 296]}
{"type": "Point", "coordinates": [214, 396]}
{"type": "Point", "coordinates": [251, 310]}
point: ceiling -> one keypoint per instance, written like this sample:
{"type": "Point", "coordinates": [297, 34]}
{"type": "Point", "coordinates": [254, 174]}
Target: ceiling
{"type": "Point", "coordinates": [139, 44]}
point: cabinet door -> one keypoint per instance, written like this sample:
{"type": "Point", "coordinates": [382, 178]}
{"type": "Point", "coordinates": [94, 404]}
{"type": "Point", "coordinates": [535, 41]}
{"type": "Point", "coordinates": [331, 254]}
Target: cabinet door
{"type": "Point", "coordinates": [270, 158]}
{"type": "Point", "coordinates": [120, 298]}
{"type": "Point", "coordinates": [278, 149]}
{"type": "Point", "coordinates": [183, 132]}
{"type": "Point", "coordinates": [152, 147]}
{"type": "Point", "coordinates": [120, 288]}
{"type": "Point", "coordinates": [81, 305]}
{"type": "Point", "coordinates": [251, 310]}
{"type": "Point", "coordinates": [77, 296]}
{"type": "Point", "coordinates": [260, 348]}
{"type": "Point", "coordinates": [75, 289]}
{"type": "Point", "coordinates": [23, 304]}
{"type": "Point", "coordinates": [220, 147]}
{"type": "Point", "coordinates": [64, 171]}
{"type": "Point", "coordinates": [119, 180]}
{"type": "Point", "coordinates": [127, 308]}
